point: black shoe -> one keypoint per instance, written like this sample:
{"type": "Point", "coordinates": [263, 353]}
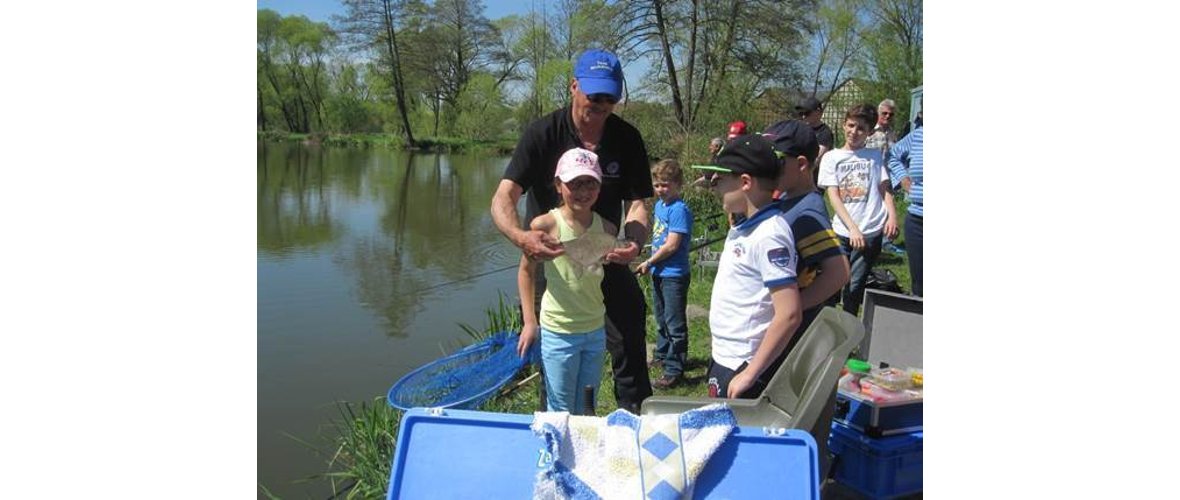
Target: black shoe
{"type": "Point", "coordinates": [665, 381]}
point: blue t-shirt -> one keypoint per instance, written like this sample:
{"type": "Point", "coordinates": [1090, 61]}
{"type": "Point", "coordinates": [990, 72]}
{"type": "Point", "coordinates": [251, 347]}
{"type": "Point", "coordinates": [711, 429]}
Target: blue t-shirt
{"type": "Point", "coordinates": [675, 217]}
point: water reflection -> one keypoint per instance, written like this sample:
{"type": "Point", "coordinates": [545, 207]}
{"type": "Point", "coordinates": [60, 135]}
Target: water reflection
{"type": "Point", "coordinates": [293, 211]}
{"type": "Point", "coordinates": [395, 223]}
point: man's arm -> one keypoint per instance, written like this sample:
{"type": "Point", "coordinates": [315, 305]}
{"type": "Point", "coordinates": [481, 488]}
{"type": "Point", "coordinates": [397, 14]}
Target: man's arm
{"type": "Point", "coordinates": [536, 245]}
{"type": "Point", "coordinates": [635, 227]}
{"type": "Point", "coordinates": [834, 274]}
{"type": "Point", "coordinates": [896, 158]}
{"type": "Point", "coordinates": [788, 313]}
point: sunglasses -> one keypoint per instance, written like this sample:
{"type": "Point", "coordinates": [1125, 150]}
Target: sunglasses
{"type": "Point", "coordinates": [714, 178]}
{"type": "Point", "coordinates": [602, 98]}
{"type": "Point", "coordinates": [886, 113]}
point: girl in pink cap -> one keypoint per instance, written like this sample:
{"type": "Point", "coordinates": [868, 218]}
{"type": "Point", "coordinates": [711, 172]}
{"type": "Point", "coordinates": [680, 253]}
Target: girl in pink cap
{"type": "Point", "coordinates": [572, 318]}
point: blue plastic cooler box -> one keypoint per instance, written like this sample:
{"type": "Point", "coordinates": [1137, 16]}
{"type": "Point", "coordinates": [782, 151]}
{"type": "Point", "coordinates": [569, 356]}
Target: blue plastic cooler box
{"type": "Point", "coordinates": [887, 467]}
{"type": "Point", "coordinates": [465, 454]}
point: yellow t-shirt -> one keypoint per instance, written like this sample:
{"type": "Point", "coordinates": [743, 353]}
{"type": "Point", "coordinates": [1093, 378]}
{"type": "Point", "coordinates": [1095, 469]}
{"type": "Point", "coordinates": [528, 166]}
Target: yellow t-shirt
{"type": "Point", "coordinates": [572, 302]}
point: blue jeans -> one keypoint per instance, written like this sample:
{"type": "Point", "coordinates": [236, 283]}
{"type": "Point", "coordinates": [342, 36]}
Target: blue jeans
{"type": "Point", "coordinates": [571, 361]}
{"type": "Point", "coordinates": [671, 300]}
{"type": "Point", "coordinates": [913, 244]}
{"type": "Point", "coordinates": [860, 263]}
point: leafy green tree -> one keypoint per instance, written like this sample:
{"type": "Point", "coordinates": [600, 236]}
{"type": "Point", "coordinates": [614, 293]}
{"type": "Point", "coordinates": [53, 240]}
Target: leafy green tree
{"type": "Point", "coordinates": [893, 51]}
{"type": "Point", "coordinates": [372, 28]}
{"type": "Point", "coordinates": [482, 114]}
{"type": "Point", "coordinates": [706, 48]}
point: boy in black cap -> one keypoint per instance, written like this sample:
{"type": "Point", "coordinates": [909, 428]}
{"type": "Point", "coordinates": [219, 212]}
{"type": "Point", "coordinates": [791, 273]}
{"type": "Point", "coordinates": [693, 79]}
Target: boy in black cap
{"type": "Point", "coordinates": [822, 269]}
{"type": "Point", "coordinates": [755, 305]}
{"type": "Point", "coordinates": [810, 110]}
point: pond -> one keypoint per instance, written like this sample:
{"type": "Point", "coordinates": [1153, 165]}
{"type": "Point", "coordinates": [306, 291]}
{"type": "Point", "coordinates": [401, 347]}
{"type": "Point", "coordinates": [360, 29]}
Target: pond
{"type": "Point", "coordinates": [358, 252]}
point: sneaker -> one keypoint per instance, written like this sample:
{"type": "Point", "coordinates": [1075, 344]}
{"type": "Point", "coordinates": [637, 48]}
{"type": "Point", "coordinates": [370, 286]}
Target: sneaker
{"type": "Point", "coordinates": [665, 381]}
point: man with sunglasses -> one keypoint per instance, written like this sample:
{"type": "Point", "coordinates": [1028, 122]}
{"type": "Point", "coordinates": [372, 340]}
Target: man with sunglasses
{"type": "Point", "coordinates": [589, 123]}
{"type": "Point", "coordinates": [883, 137]}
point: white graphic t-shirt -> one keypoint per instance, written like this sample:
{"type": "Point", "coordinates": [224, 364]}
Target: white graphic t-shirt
{"type": "Point", "coordinates": [856, 173]}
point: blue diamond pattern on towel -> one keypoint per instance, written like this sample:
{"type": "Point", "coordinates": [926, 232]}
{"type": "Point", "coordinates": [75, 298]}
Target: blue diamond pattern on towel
{"type": "Point", "coordinates": [663, 491]}
{"type": "Point", "coordinates": [660, 446]}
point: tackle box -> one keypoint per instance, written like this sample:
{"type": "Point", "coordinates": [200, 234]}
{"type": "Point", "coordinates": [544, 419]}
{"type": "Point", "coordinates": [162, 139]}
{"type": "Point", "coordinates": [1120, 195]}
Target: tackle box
{"type": "Point", "coordinates": [877, 419]}
{"type": "Point", "coordinates": [893, 334]}
{"type": "Point", "coordinates": [893, 329]}
{"type": "Point", "coordinates": [466, 454]}
{"type": "Point", "coordinates": [888, 467]}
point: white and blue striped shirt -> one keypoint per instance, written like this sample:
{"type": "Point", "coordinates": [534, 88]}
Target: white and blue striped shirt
{"type": "Point", "coordinates": [905, 160]}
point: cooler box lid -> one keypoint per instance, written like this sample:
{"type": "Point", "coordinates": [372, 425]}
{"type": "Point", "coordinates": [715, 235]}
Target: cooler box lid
{"type": "Point", "coordinates": [473, 454]}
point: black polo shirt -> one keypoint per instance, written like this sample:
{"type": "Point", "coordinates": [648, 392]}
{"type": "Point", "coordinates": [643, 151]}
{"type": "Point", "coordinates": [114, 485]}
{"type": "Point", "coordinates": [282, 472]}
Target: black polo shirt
{"type": "Point", "coordinates": [621, 155]}
{"type": "Point", "coordinates": [823, 135]}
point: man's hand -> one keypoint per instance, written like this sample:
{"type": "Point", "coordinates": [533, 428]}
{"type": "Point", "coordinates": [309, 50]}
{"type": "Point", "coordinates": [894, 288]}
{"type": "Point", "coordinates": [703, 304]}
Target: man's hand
{"type": "Point", "coordinates": [905, 184]}
{"type": "Point", "coordinates": [623, 255]}
{"type": "Point", "coordinates": [856, 238]}
{"type": "Point", "coordinates": [539, 245]}
{"type": "Point", "coordinates": [740, 383]}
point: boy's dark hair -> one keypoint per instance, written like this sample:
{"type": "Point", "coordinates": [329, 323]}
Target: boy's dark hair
{"type": "Point", "coordinates": [667, 170]}
{"type": "Point", "coordinates": [865, 113]}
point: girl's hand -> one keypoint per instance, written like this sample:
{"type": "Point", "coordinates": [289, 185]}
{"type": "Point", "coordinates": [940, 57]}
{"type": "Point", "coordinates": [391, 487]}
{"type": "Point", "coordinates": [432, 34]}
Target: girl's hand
{"type": "Point", "coordinates": [528, 335]}
{"type": "Point", "coordinates": [623, 255]}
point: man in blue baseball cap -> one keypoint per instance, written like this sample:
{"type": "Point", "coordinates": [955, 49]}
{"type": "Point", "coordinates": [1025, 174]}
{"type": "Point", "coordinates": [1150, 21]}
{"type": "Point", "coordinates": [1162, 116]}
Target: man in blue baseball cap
{"type": "Point", "coordinates": [589, 123]}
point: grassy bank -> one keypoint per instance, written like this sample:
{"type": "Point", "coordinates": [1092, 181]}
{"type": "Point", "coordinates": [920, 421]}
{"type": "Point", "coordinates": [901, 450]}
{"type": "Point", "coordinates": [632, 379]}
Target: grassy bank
{"type": "Point", "coordinates": [501, 147]}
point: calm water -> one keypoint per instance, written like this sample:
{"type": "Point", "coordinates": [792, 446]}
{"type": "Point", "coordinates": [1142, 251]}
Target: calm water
{"type": "Point", "coordinates": [348, 242]}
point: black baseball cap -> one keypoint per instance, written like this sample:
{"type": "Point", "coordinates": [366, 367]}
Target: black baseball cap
{"type": "Point", "coordinates": [793, 138]}
{"type": "Point", "coordinates": [808, 105]}
{"type": "Point", "coordinates": [746, 154]}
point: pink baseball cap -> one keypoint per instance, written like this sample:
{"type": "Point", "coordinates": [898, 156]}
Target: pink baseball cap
{"type": "Point", "coordinates": [576, 163]}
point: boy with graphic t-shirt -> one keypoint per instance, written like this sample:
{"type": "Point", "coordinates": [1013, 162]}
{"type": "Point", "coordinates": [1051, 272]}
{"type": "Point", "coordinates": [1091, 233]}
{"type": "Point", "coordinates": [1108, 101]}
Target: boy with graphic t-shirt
{"type": "Point", "coordinates": [857, 185]}
{"type": "Point", "coordinates": [755, 306]}
{"type": "Point", "coordinates": [670, 271]}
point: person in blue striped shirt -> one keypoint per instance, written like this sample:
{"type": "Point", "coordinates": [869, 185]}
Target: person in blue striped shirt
{"type": "Point", "coordinates": [905, 168]}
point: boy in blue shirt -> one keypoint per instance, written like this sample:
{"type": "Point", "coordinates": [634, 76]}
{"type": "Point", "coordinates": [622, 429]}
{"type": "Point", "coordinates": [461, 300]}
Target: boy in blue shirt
{"type": "Point", "coordinates": [670, 271]}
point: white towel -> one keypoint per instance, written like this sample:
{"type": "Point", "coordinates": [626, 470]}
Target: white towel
{"type": "Point", "coordinates": [622, 456]}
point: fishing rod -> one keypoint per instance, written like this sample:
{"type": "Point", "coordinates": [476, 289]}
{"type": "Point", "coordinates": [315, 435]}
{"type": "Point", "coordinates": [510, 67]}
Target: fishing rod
{"type": "Point", "coordinates": [513, 266]}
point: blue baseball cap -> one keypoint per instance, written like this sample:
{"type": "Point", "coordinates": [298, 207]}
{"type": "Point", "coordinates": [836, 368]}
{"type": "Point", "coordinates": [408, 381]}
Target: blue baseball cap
{"type": "Point", "coordinates": [599, 72]}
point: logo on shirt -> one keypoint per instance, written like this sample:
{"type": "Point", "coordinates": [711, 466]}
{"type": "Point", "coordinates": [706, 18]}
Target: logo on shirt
{"type": "Point", "coordinates": [612, 169]}
{"type": "Point", "coordinates": [738, 250]}
{"type": "Point", "coordinates": [780, 257]}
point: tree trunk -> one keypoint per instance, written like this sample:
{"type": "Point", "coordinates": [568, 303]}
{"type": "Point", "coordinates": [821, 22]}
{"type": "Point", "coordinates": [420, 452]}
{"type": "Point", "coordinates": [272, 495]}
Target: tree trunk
{"type": "Point", "coordinates": [399, 87]}
{"type": "Point", "coordinates": [261, 110]}
{"type": "Point", "coordinates": [692, 59]}
{"type": "Point", "coordinates": [677, 103]}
